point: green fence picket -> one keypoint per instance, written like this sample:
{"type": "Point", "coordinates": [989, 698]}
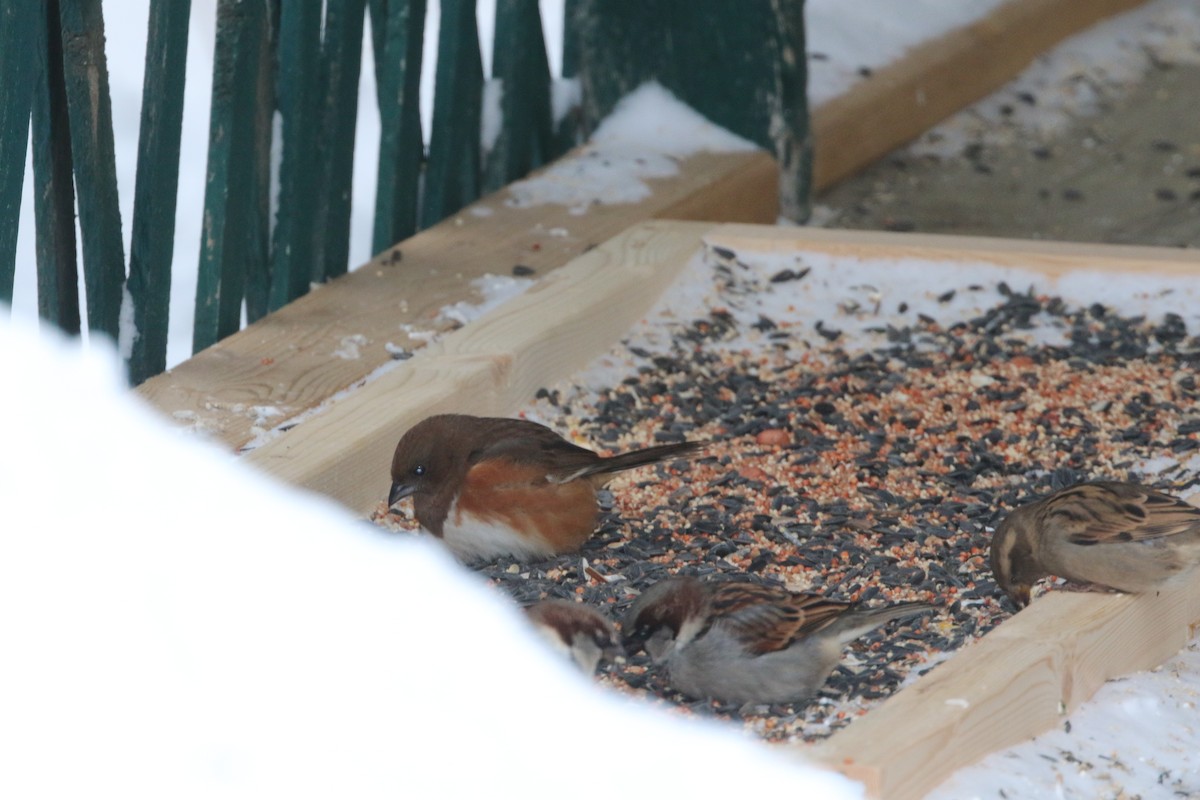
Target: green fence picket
{"type": "Point", "coordinates": [293, 251]}
{"type": "Point", "coordinates": [234, 248]}
{"type": "Point", "coordinates": [793, 139]}
{"type": "Point", "coordinates": [86, 74]}
{"type": "Point", "coordinates": [53, 187]}
{"type": "Point", "coordinates": [398, 49]}
{"type": "Point", "coordinates": [453, 174]}
{"type": "Point", "coordinates": [519, 64]}
{"type": "Point", "coordinates": [157, 184]}
{"type": "Point", "coordinates": [17, 19]}
{"type": "Point", "coordinates": [341, 61]}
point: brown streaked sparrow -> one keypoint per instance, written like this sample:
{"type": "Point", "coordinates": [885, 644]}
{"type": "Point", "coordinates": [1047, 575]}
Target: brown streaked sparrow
{"type": "Point", "coordinates": [745, 642]}
{"type": "Point", "coordinates": [491, 486]}
{"type": "Point", "coordinates": [1116, 535]}
{"type": "Point", "coordinates": [576, 630]}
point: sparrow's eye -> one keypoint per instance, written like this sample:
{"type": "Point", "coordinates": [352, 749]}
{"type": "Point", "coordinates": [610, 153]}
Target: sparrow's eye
{"type": "Point", "coordinates": [419, 470]}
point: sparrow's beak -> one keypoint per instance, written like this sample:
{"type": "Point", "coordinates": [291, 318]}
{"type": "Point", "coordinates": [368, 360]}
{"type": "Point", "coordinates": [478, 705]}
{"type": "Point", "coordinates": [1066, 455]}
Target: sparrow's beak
{"type": "Point", "coordinates": [399, 492]}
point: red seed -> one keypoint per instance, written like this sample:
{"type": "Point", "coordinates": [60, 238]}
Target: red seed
{"type": "Point", "coordinates": [773, 437]}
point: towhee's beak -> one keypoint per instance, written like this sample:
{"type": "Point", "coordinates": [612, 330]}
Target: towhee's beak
{"type": "Point", "coordinates": [399, 492]}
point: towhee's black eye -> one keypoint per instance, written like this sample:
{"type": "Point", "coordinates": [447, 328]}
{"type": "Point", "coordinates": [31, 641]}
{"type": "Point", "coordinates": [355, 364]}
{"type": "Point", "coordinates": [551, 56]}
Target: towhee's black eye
{"type": "Point", "coordinates": [419, 470]}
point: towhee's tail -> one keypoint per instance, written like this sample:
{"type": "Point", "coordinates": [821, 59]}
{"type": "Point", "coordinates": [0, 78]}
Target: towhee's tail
{"type": "Point", "coordinates": [637, 458]}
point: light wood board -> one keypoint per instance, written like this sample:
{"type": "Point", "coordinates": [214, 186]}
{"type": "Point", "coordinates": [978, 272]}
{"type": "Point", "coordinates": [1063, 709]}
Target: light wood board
{"type": "Point", "coordinates": [1019, 680]}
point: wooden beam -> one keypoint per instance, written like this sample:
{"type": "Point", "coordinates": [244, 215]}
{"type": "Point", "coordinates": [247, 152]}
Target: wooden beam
{"type": "Point", "coordinates": [1018, 681]}
{"type": "Point", "coordinates": [286, 360]}
{"type": "Point", "coordinates": [908, 97]}
{"type": "Point", "coordinates": [1053, 259]}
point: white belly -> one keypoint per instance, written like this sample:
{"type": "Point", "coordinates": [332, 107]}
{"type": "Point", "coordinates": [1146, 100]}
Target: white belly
{"type": "Point", "coordinates": [474, 539]}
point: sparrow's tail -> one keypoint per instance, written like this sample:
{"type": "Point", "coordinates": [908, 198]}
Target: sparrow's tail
{"type": "Point", "coordinates": [854, 624]}
{"type": "Point", "coordinates": [636, 458]}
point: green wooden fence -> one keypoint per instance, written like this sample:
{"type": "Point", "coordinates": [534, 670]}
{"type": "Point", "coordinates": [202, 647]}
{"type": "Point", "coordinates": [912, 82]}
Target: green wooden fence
{"type": "Point", "coordinates": [302, 60]}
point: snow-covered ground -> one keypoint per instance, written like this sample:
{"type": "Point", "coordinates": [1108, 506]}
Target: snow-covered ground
{"type": "Point", "coordinates": [164, 647]}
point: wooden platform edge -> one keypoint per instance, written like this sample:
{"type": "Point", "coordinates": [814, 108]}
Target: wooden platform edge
{"type": "Point", "coordinates": [1021, 679]}
{"type": "Point", "coordinates": [908, 97]}
{"type": "Point", "coordinates": [1051, 258]}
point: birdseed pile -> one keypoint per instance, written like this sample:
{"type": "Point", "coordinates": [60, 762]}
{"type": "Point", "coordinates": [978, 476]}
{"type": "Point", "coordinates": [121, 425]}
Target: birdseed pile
{"type": "Point", "coordinates": [870, 424]}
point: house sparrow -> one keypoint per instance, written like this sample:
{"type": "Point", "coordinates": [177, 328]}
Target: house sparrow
{"type": "Point", "coordinates": [1116, 535]}
{"type": "Point", "coordinates": [491, 487]}
{"type": "Point", "coordinates": [576, 630]}
{"type": "Point", "coordinates": [745, 642]}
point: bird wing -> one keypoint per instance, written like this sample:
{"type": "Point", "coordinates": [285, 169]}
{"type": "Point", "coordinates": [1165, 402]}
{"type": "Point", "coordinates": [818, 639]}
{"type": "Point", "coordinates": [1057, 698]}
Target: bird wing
{"type": "Point", "coordinates": [1107, 513]}
{"type": "Point", "coordinates": [766, 619]}
{"type": "Point", "coordinates": [526, 442]}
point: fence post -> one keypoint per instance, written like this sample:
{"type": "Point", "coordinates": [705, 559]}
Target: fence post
{"type": "Point", "coordinates": [86, 75]}
{"type": "Point", "coordinates": [293, 246]}
{"type": "Point", "coordinates": [341, 66]}
{"type": "Point", "coordinates": [17, 19]}
{"type": "Point", "coordinates": [520, 66]}
{"type": "Point", "coordinates": [740, 64]}
{"type": "Point", "coordinates": [398, 28]}
{"type": "Point", "coordinates": [453, 173]}
{"type": "Point", "coordinates": [233, 253]}
{"type": "Point", "coordinates": [791, 131]}
{"type": "Point", "coordinates": [157, 185]}
{"type": "Point", "coordinates": [53, 188]}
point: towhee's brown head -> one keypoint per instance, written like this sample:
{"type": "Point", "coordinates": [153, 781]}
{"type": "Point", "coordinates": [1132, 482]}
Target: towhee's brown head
{"type": "Point", "coordinates": [492, 486]}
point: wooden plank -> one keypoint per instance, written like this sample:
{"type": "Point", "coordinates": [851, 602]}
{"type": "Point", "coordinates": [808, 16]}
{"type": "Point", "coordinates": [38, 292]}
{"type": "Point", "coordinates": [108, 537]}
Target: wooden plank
{"type": "Point", "coordinates": [286, 360]}
{"type": "Point", "coordinates": [1049, 258]}
{"type": "Point", "coordinates": [152, 244]}
{"type": "Point", "coordinates": [903, 100]}
{"type": "Point", "coordinates": [489, 367]}
{"type": "Point", "coordinates": [1019, 680]}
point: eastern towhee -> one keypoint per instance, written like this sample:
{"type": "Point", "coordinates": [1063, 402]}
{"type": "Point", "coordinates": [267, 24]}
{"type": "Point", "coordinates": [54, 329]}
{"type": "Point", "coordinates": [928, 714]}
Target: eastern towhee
{"type": "Point", "coordinates": [492, 487]}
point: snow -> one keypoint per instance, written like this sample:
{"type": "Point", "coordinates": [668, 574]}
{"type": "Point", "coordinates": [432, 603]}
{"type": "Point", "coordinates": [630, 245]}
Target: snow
{"type": "Point", "coordinates": [645, 137]}
{"type": "Point", "coordinates": [1074, 79]}
{"type": "Point", "coordinates": [1137, 737]}
{"type": "Point", "coordinates": [193, 629]}
{"type": "Point", "coordinates": [850, 36]}
{"type": "Point", "coordinates": [266, 644]}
